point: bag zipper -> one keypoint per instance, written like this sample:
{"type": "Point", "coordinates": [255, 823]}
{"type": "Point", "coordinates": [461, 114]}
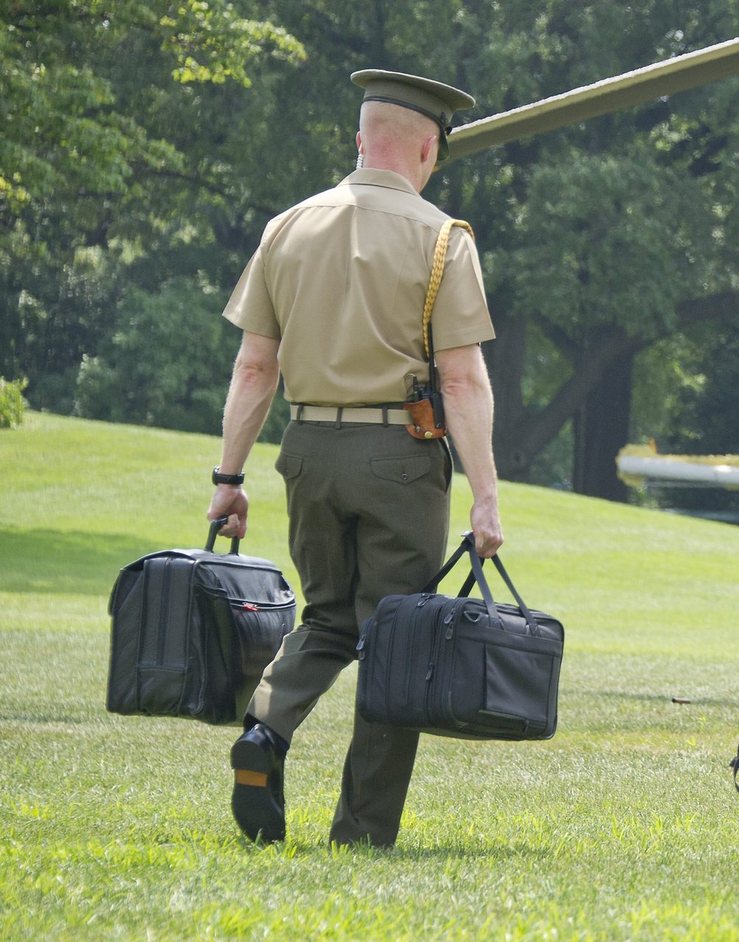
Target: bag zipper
{"type": "Point", "coordinates": [361, 653]}
{"type": "Point", "coordinates": [435, 650]}
{"type": "Point", "coordinates": [445, 707]}
{"type": "Point", "coordinates": [163, 607]}
{"type": "Point", "coordinates": [248, 605]}
{"type": "Point", "coordinates": [389, 664]}
{"type": "Point", "coordinates": [409, 662]}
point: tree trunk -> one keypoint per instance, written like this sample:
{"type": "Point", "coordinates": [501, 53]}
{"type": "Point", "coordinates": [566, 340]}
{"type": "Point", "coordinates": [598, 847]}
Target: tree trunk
{"type": "Point", "coordinates": [597, 395]}
{"type": "Point", "coordinates": [505, 362]}
{"type": "Point", "coordinates": [601, 430]}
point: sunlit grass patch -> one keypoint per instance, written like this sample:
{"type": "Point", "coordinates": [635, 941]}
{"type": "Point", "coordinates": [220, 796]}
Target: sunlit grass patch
{"type": "Point", "coordinates": [619, 828]}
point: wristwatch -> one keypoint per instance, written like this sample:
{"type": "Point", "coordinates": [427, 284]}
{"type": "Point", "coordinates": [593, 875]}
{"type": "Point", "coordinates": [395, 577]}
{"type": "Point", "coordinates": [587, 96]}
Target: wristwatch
{"type": "Point", "coordinates": [219, 478]}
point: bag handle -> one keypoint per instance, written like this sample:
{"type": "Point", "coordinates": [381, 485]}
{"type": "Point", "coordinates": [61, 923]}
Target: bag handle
{"type": "Point", "coordinates": [477, 576]}
{"type": "Point", "coordinates": [215, 526]}
{"type": "Point", "coordinates": [433, 584]}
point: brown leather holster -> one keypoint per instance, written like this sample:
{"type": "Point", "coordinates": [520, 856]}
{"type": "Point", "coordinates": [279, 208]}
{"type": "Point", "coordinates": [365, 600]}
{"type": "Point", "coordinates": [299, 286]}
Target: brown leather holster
{"type": "Point", "coordinates": [425, 425]}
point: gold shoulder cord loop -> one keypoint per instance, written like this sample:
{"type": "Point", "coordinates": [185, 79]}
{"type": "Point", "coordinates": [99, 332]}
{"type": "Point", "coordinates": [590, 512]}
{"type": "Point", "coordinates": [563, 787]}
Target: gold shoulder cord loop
{"type": "Point", "coordinates": [425, 408]}
{"type": "Point", "coordinates": [437, 271]}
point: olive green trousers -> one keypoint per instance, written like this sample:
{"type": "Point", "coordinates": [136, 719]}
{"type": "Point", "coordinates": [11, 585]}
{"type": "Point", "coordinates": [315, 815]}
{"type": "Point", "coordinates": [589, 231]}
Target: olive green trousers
{"type": "Point", "coordinates": [369, 513]}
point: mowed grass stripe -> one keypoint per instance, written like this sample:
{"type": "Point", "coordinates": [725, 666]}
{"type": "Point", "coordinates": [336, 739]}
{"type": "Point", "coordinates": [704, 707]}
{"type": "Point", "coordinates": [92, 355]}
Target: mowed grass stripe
{"type": "Point", "coordinates": [621, 827]}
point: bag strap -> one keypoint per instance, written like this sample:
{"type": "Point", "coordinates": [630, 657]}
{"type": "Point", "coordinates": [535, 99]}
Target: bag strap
{"type": "Point", "coordinates": [433, 584]}
{"type": "Point", "coordinates": [477, 576]}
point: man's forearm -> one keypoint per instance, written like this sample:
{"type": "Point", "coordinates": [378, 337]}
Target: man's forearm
{"type": "Point", "coordinates": [468, 406]}
{"type": "Point", "coordinates": [250, 394]}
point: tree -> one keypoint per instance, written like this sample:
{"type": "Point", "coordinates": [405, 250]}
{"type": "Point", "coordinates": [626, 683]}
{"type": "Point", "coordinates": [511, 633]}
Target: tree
{"type": "Point", "coordinates": [103, 181]}
{"type": "Point", "coordinates": [601, 238]}
{"type": "Point", "coordinates": [147, 148]}
{"type": "Point", "coordinates": [163, 364]}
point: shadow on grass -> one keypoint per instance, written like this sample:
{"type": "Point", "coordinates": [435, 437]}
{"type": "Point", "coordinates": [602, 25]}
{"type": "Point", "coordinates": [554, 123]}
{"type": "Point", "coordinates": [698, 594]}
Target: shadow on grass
{"type": "Point", "coordinates": [53, 562]}
{"type": "Point", "coordinates": [58, 720]}
{"type": "Point", "coordinates": [679, 703]}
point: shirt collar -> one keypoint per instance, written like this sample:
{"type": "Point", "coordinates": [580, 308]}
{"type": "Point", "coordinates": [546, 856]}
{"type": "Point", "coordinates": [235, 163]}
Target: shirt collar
{"type": "Point", "coordinates": [367, 176]}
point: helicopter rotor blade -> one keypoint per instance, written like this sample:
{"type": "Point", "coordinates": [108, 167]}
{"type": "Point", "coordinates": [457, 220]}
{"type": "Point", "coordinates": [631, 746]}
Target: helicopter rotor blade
{"type": "Point", "coordinates": [611, 94]}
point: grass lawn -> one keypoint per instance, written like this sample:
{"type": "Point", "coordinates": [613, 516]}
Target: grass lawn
{"type": "Point", "coordinates": [622, 827]}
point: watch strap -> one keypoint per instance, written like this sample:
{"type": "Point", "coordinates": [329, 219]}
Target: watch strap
{"type": "Point", "coordinates": [219, 478]}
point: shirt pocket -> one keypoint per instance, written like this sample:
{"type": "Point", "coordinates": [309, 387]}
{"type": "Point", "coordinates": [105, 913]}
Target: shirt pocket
{"type": "Point", "coordinates": [401, 470]}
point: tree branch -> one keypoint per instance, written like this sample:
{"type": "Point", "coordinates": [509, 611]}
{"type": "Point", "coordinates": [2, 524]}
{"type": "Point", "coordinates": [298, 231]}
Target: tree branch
{"type": "Point", "coordinates": [211, 187]}
{"type": "Point", "coordinates": [710, 307]}
{"type": "Point", "coordinates": [532, 431]}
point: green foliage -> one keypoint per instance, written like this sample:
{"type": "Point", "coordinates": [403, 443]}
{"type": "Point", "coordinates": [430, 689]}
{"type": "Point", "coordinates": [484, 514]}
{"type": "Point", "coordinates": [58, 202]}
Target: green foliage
{"type": "Point", "coordinates": [120, 827]}
{"type": "Point", "coordinates": [707, 407]}
{"type": "Point", "coordinates": [593, 219]}
{"type": "Point", "coordinates": [146, 144]}
{"type": "Point", "coordinates": [64, 135]}
{"type": "Point", "coordinates": [277, 419]}
{"type": "Point", "coordinates": [211, 43]}
{"type": "Point", "coordinates": [698, 415]}
{"type": "Point", "coordinates": [166, 363]}
{"type": "Point", "coordinates": [103, 150]}
{"type": "Point", "coordinates": [12, 404]}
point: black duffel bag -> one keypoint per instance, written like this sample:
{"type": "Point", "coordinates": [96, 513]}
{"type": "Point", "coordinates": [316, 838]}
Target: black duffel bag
{"type": "Point", "coordinates": [192, 631]}
{"type": "Point", "coordinates": [464, 667]}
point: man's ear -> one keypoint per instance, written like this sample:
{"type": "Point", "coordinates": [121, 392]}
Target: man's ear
{"type": "Point", "coordinates": [428, 147]}
{"type": "Point", "coordinates": [359, 140]}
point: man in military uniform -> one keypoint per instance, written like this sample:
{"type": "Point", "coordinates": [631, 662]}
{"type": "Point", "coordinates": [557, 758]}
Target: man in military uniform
{"type": "Point", "coordinates": [333, 299]}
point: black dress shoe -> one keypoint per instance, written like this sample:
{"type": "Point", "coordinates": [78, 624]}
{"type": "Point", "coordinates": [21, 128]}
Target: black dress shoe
{"type": "Point", "coordinates": [258, 800]}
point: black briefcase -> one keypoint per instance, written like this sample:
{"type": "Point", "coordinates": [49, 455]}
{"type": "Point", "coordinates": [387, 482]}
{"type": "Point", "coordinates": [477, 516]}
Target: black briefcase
{"type": "Point", "coordinates": [192, 631]}
{"type": "Point", "coordinates": [464, 667]}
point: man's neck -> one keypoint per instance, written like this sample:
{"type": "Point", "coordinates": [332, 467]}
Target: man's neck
{"type": "Point", "coordinates": [415, 174]}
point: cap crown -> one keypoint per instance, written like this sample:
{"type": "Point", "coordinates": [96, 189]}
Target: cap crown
{"type": "Point", "coordinates": [433, 99]}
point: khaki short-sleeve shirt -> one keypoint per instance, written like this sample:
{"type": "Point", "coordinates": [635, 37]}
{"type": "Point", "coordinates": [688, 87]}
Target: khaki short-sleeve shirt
{"type": "Point", "coordinates": [341, 278]}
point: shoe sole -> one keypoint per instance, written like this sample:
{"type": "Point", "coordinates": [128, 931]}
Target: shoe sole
{"type": "Point", "coordinates": [254, 807]}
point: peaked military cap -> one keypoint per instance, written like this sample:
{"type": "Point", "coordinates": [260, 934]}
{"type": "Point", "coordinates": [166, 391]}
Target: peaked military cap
{"type": "Point", "coordinates": [433, 99]}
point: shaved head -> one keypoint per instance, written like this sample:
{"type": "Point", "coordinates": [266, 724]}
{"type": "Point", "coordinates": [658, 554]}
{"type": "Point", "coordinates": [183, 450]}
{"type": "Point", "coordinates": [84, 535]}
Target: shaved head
{"type": "Point", "coordinates": [383, 122]}
{"type": "Point", "coordinates": [393, 137]}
